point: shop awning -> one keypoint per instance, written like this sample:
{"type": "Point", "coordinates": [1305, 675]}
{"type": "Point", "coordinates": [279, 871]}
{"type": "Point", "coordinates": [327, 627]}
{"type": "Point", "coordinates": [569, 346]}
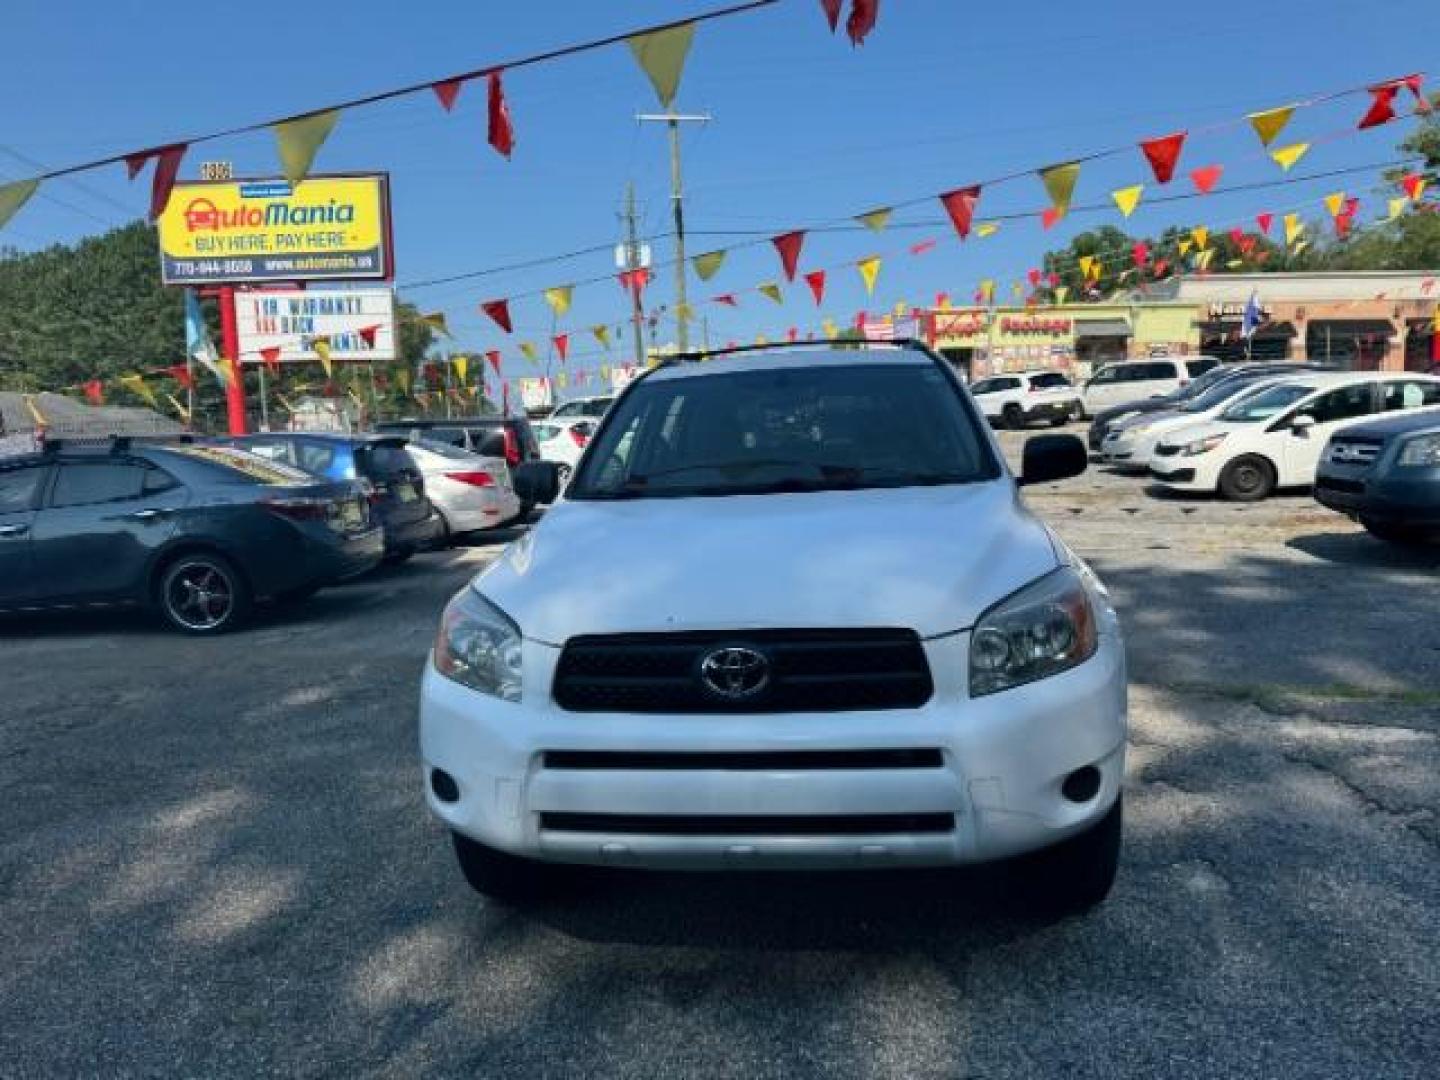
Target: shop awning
{"type": "Point", "coordinates": [1098, 328]}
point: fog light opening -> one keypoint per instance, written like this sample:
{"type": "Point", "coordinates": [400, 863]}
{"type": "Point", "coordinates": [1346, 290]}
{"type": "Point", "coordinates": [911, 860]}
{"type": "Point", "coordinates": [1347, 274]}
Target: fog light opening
{"type": "Point", "coordinates": [444, 786]}
{"type": "Point", "coordinates": [1082, 785]}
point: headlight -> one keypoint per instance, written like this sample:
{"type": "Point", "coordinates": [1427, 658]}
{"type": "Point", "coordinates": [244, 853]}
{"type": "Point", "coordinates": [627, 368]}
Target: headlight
{"type": "Point", "coordinates": [1044, 629]}
{"type": "Point", "coordinates": [1202, 446]}
{"type": "Point", "coordinates": [479, 647]}
{"type": "Point", "coordinates": [1424, 450]}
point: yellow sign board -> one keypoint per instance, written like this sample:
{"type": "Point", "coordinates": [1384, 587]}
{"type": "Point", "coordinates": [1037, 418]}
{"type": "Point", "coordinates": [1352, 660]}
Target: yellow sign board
{"type": "Point", "coordinates": [246, 231]}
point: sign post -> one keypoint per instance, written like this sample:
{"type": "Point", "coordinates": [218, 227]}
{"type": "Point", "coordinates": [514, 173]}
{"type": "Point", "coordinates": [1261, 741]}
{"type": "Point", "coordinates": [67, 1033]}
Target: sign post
{"type": "Point", "coordinates": [230, 348]}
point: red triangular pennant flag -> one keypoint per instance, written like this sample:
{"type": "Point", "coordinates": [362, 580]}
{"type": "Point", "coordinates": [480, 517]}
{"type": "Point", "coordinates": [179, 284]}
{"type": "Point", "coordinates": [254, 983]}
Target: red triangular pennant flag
{"type": "Point", "coordinates": [1049, 216]}
{"type": "Point", "coordinates": [1140, 253]}
{"type": "Point", "coordinates": [861, 318]}
{"type": "Point", "coordinates": [923, 246]}
{"type": "Point", "coordinates": [1237, 236]}
{"type": "Point", "coordinates": [270, 357]}
{"type": "Point", "coordinates": [1382, 105]}
{"type": "Point", "coordinates": [562, 345]}
{"type": "Point", "coordinates": [1034, 276]}
{"type": "Point", "coordinates": [494, 357]}
{"type": "Point", "coordinates": [1163, 154]}
{"type": "Point", "coordinates": [447, 92]}
{"type": "Point", "coordinates": [1206, 178]}
{"type": "Point", "coordinates": [1161, 265]}
{"type": "Point", "coordinates": [960, 205]}
{"type": "Point", "coordinates": [863, 14]}
{"type": "Point", "coordinates": [793, 334]}
{"type": "Point", "coordinates": [1414, 185]}
{"type": "Point", "coordinates": [816, 280]}
{"type": "Point", "coordinates": [789, 245]}
{"type": "Point", "coordinates": [727, 299]}
{"type": "Point", "coordinates": [94, 391]}
{"type": "Point", "coordinates": [502, 132]}
{"type": "Point", "coordinates": [1265, 221]}
{"type": "Point", "coordinates": [499, 310]}
{"type": "Point", "coordinates": [181, 374]}
{"type": "Point", "coordinates": [167, 167]}
{"type": "Point", "coordinates": [367, 335]}
{"type": "Point", "coordinates": [832, 12]}
{"type": "Point", "coordinates": [1247, 244]}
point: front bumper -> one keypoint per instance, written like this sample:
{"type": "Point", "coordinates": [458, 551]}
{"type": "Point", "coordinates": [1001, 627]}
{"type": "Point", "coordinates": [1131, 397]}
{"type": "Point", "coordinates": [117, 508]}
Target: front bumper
{"type": "Point", "coordinates": [1001, 762]}
{"type": "Point", "coordinates": [1196, 473]}
{"type": "Point", "coordinates": [1409, 496]}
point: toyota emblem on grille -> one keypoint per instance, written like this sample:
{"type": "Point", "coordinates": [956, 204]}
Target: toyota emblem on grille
{"type": "Point", "coordinates": [734, 672]}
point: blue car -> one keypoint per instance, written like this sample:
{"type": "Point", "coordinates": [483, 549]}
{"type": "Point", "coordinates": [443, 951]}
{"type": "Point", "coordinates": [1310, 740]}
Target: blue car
{"type": "Point", "coordinates": [380, 462]}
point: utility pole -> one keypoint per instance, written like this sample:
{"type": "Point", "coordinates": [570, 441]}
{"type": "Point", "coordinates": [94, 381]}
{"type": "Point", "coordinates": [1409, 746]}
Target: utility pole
{"type": "Point", "coordinates": [673, 120]}
{"type": "Point", "coordinates": [633, 259]}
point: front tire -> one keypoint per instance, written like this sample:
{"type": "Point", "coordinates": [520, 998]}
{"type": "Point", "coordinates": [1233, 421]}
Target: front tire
{"type": "Point", "coordinates": [498, 875]}
{"type": "Point", "coordinates": [1011, 418]}
{"type": "Point", "coordinates": [1077, 874]}
{"type": "Point", "coordinates": [203, 594]}
{"type": "Point", "coordinates": [1249, 478]}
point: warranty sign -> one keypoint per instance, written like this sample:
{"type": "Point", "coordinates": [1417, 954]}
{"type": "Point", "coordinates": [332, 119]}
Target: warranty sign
{"type": "Point", "coordinates": [248, 231]}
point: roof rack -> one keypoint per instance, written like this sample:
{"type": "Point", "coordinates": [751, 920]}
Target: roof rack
{"type": "Point", "coordinates": [697, 355]}
{"type": "Point", "coordinates": [111, 444]}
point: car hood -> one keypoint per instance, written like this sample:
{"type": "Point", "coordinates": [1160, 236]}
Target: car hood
{"type": "Point", "coordinates": [1187, 433]}
{"type": "Point", "coordinates": [929, 559]}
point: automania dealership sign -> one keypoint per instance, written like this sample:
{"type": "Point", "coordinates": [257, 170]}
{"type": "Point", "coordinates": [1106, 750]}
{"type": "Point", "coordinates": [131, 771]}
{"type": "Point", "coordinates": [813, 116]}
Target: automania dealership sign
{"type": "Point", "coordinates": [248, 231]}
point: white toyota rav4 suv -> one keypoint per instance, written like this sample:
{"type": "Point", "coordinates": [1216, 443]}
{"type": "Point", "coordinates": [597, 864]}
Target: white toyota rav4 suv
{"type": "Point", "coordinates": [790, 612]}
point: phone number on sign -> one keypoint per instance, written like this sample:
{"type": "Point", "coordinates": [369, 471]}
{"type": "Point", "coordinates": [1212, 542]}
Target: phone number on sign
{"type": "Point", "coordinates": [212, 267]}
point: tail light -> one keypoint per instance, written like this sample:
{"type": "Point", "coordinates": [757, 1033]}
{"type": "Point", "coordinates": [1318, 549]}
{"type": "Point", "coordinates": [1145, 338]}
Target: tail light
{"type": "Point", "coordinates": [299, 507]}
{"type": "Point", "coordinates": [475, 479]}
{"type": "Point", "coordinates": [579, 437]}
{"type": "Point", "coordinates": [512, 447]}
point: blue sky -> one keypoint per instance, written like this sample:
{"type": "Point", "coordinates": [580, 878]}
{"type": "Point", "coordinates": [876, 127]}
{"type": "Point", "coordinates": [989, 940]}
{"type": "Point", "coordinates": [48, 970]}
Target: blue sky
{"type": "Point", "coordinates": [806, 129]}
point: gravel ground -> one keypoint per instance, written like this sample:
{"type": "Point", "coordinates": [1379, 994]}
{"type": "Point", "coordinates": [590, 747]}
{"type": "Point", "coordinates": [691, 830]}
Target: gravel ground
{"type": "Point", "coordinates": [215, 861]}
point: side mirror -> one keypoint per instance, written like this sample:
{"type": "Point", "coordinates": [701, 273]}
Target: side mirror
{"type": "Point", "coordinates": [1301, 425]}
{"type": "Point", "coordinates": [537, 481]}
{"type": "Point", "coordinates": [1052, 457]}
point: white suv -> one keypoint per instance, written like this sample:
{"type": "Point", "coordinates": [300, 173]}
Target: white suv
{"type": "Point", "coordinates": [1136, 380]}
{"type": "Point", "coordinates": [789, 613]}
{"type": "Point", "coordinates": [1013, 401]}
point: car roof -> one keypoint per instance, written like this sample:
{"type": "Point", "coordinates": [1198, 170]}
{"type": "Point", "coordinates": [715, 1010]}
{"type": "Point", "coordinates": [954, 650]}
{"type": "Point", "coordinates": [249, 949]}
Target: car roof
{"type": "Point", "coordinates": [785, 359]}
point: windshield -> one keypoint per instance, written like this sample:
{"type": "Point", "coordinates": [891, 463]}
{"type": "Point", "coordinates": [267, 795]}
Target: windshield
{"type": "Point", "coordinates": [1267, 403]}
{"type": "Point", "coordinates": [444, 449]}
{"type": "Point", "coordinates": [795, 429]}
{"type": "Point", "coordinates": [1218, 395]}
{"type": "Point", "coordinates": [249, 466]}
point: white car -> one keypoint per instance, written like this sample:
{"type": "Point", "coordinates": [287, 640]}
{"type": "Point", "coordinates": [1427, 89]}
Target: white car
{"type": "Point", "coordinates": [789, 613]}
{"type": "Point", "coordinates": [1136, 380]}
{"type": "Point", "coordinates": [1274, 439]}
{"type": "Point", "coordinates": [469, 491]}
{"type": "Point", "coordinates": [562, 441]}
{"type": "Point", "coordinates": [1130, 445]}
{"type": "Point", "coordinates": [1014, 400]}
{"type": "Point", "coordinates": [592, 408]}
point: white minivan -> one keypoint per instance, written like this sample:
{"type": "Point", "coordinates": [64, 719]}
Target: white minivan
{"type": "Point", "coordinates": [1135, 380]}
{"type": "Point", "coordinates": [814, 626]}
{"type": "Point", "coordinates": [1274, 439]}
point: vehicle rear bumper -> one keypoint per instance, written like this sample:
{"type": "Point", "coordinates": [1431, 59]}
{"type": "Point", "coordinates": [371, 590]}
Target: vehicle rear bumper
{"type": "Point", "coordinates": [1051, 410]}
{"type": "Point", "coordinates": [411, 535]}
{"type": "Point", "coordinates": [989, 787]}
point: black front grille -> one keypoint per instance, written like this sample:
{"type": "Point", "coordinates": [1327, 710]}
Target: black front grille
{"type": "Point", "coordinates": [808, 671]}
{"type": "Point", "coordinates": [1335, 483]}
{"type": "Point", "coordinates": [743, 760]}
{"type": "Point", "coordinates": [750, 824]}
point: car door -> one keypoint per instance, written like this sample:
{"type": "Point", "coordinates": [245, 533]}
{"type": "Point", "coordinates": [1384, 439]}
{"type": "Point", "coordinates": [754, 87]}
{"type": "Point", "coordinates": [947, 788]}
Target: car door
{"type": "Point", "coordinates": [1298, 455]}
{"type": "Point", "coordinates": [1400, 394]}
{"type": "Point", "coordinates": [1153, 378]}
{"type": "Point", "coordinates": [1109, 387]}
{"type": "Point", "coordinates": [20, 490]}
{"type": "Point", "coordinates": [99, 526]}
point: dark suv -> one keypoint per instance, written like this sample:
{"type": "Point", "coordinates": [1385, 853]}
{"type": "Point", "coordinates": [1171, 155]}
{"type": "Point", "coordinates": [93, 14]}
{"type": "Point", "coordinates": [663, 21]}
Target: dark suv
{"type": "Point", "coordinates": [1386, 474]}
{"type": "Point", "coordinates": [394, 482]}
{"type": "Point", "coordinates": [510, 437]}
{"type": "Point", "coordinates": [200, 532]}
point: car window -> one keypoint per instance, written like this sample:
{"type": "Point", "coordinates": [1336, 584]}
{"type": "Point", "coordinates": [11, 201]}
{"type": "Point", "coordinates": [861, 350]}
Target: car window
{"type": "Point", "coordinates": [17, 488]}
{"type": "Point", "coordinates": [271, 449]}
{"type": "Point", "coordinates": [1199, 367]}
{"type": "Point", "coordinates": [570, 408]}
{"type": "Point", "coordinates": [1408, 395]}
{"type": "Point", "coordinates": [597, 407]}
{"type": "Point", "coordinates": [1219, 393]}
{"type": "Point", "coordinates": [1049, 380]}
{"type": "Point", "coordinates": [314, 457]}
{"type": "Point", "coordinates": [82, 483]}
{"type": "Point", "coordinates": [1267, 403]}
{"type": "Point", "coordinates": [452, 436]}
{"type": "Point", "coordinates": [986, 386]}
{"type": "Point", "coordinates": [1345, 403]}
{"type": "Point", "coordinates": [385, 459]}
{"type": "Point", "coordinates": [158, 480]}
{"type": "Point", "coordinates": [793, 429]}
{"type": "Point", "coordinates": [443, 449]}
{"type": "Point", "coordinates": [1113, 374]}
{"type": "Point", "coordinates": [1161, 370]}
{"type": "Point", "coordinates": [233, 463]}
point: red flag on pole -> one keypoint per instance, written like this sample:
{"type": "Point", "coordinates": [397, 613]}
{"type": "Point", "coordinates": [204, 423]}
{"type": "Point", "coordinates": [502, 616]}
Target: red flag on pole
{"type": "Point", "coordinates": [1265, 221]}
{"type": "Point", "coordinates": [1163, 154]}
{"type": "Point", "coordinates": [502, 131]}
{"type": "Point", "coordinates": [367, 335]}
{"type": "Point", "coordinates": [447, 92]}
{"type": "Point", "coordinates": [270, 357]}
{"type": "Point", "coordinates": [499, 310]}
{"type": "Point", "coordinates": [816, 280]}
{"type": "Point", "coordinates": [789, 245]}
{"type": "Point", "coordinates": [960, 205]}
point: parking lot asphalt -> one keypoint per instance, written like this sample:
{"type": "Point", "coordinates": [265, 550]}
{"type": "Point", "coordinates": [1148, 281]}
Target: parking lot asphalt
{"type": "Point", "coordinates": [215, 859]}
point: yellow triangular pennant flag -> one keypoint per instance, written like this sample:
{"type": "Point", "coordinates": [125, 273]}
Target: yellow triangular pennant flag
{"type": "Point", "coordinates": [1397, 206]}
{"type": "Point", "coordinates": [402, 379]}
{"type": "Point", "coordinates": [184, 413]}
{"type": "Point", "coordinates": [322, 350]}
{"type": "Point", "coordinates": [1087, 266]}
{"type": "Point", "coordinates": [772, 290]}
{"type": "Point", "coordinates": [876, 220]}
{"type": "Point", "coordinates": [1293, 228]}
{"type": "Point", "coordinates": [1287, 156]}
{"type": "Point", "coordinates": [13, 196]}
{"type": "Point", "coordinates": [528, 351]}
{"type": "Point", "coordinates": [707, 265]}
{"type": "Point", "coordinates": [831, 330]}
{"type": "Point", "coordinates": [36, 416]}
{"type": "Point", "coordinates": [1185, 246]}
{"type": "Point", "coordinates": [559, 298]}
{"type": "Point", "coordinates": [988, 228]}
{"type": "Point", "coordinates": [761, 339]}
{"type": "Point", "coordinates": [901, 307]}
{"type": "Point", "coordinates": [1128, 198]}
{"type": "Point", "coordinates": [462, 367]}
{"type": "Point", "coordinates": [1417, 194]}
{"type": "Point", "coordinates": [1202, 259]}
{"type": "Point", "coordinates": [561, 379]}
{"type": "Point", "coordinates": [1061, 293]}
{"type": "Point", "coordinates": [1335, 203]}
{"type": "Point", "coordinates": [684, 313]}
{"type": "Point", "coordinates": [1060, 184]}
{"type": "Point", "coordinates": [869, 271]}
{"type": "Point", "coordinates": [436, 321]}
{"type": "Point", "coordinates": [987, 290]}
{"type": "Point", "coordinates": [136, 385]}
{"type": "Point", "coordinates": [1201, 235]}
{"type": "Point", "coordinates": [1301, 246]}
{"type": "Point", "coordinates": [301, 139]}
{"type": "Point", "coordinates": [602, 334]}
{"type": "Point", "coordinates": [1270, 123]}
{"type": "Point", "coordinates": [661, 55]}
